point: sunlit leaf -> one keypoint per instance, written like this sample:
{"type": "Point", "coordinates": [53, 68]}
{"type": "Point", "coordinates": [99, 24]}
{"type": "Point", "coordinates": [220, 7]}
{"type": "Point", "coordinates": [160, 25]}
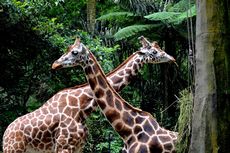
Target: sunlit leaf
{"type": "Point", "coordinates": [132, 30]}
{"type": "Point", "coordinates": [114, 15]}
{"type": "Point", "coordinates": [162, 16]}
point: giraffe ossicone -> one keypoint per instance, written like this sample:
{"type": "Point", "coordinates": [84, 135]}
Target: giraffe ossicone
{"type": "Point", "coordinates": [138, 129]}
{"type": "Point", "coordinates": [47, 128]}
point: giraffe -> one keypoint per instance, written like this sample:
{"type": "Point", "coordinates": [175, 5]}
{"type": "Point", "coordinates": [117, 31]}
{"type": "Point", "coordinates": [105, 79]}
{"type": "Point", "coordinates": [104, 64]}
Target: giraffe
{"type": "Point", "coordinates": [47, 128]}
{"type": "Point", "coordinates": [139, 130]}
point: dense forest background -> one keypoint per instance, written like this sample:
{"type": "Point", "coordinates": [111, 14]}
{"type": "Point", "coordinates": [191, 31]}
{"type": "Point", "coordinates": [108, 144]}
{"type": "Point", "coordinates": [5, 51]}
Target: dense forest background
{"type": "Point", "coordinates": [35, 33]}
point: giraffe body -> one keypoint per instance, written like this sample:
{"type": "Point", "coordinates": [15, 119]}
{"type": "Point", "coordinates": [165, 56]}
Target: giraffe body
{"type": "Point", "coordinates": [139, 130]}
{"type": "Point", "coordinates": [44, 130]}
{"type": "Point", "coordinates": [48, 129]}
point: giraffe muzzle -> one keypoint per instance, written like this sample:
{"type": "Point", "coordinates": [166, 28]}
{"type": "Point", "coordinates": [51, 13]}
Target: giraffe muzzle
{"type": "Point", "coordinates": [56, 65]}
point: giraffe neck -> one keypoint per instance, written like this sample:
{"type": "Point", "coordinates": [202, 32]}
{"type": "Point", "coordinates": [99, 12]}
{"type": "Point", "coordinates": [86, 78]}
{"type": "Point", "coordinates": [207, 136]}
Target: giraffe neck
{"type": "Point", "coordinates": [118, 79]}
{"type": "Point", "coordinates": [111, 104]}
{"type": "Point", "coordinates": [123, 74]}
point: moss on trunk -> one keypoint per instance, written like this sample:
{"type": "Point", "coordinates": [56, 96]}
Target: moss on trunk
{"type": "Point", "coordinates": [210, 126]}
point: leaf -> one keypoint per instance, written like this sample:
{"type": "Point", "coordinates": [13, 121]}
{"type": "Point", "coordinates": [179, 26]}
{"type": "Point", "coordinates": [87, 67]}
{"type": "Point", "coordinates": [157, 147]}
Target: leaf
{"type": "Point", "coordinates": [172, 17]}
{"type": "Point", "coordinates": [184, 15]}
{"type": "Point", "coordinates": [181, 6]}
{"type": "Point", "coordinates": [114, 15]}
{"type": "Point", "coordinates": [132, 30]}
{"type": "Point", "coordinates": [160, 16]}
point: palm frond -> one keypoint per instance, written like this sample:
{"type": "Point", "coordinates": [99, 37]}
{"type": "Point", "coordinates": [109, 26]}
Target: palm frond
{"type": "Point", "coordinates": [114, 15]}
{"type": "Point", "coordinates": [132, 30]}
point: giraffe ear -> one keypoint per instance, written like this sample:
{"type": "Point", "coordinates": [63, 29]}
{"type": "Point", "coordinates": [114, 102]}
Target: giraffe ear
{"type": "Point", "coordinates": [145, 43]}
{"type": "Point", "coordinates": [83, 48]}
{"type": "Point", "coordinates": [77, 41]}
{"type": "Point", "coordinates": [155, 44]}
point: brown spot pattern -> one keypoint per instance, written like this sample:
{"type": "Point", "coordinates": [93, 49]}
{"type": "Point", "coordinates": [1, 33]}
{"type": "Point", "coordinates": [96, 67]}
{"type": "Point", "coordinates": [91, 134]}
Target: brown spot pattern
{"type": "Point", "coordinates": [137, 129]}
{"type": "Point", "coordinates": [121, 73]}
{"type": "Point", "coordinates": [148, 128]}
{"type": "Point", "coordinates": [155, 146]}
{"type": "Point", "coordinates": [128, 119]}
{"type": "Point", "coordinates": [118, 104]}
{"type": "Point", "coordinates": [116, 79]}
{"type": "Point", "coordinates": [92, 83]}
{"type": "Point", "coordinates": [125, 132]}
{"type": "Point", "coordinates": [164, 138]}
{"type": "Point", "coordinates": [143, 149]}
{"type": "Point", "coordinates": [109, 98]}
{"type": "Point", "coordinates": [118, 126]}
{"type": "Point", "coordinates": [112, 115]}
{"type": "Point", "coordinates": [101, 82]}
{"type": "Point", "coordinates": [168, 146]}
{"type": "Point", "coordinates": [99, 93]}
{"type": "Point", "coordinates": [101, 103]}
{"type": "Point", "coordinates": [139, 120]}
{"type": "Point", "coordinates": [142, 137]}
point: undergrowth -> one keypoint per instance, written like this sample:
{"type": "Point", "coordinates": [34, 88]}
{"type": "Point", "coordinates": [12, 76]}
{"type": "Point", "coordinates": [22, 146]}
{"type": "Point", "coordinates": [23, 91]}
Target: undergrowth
{"type": "Point", "coordinates": [184, 121]}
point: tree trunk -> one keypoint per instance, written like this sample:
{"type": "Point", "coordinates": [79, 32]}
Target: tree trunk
{"type": "Point", "coordinates": [91, 15]}
{"type": "Point", "coordinates": [211, 112]}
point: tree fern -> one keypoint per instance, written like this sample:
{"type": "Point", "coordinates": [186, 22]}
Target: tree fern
{"type": "Point", "coordinates": [172, 17]}
{"type": "Point", "coordinates": [132, 30]}
{"type": "Point", "coordinates": [184, 15]}
{"type": "Point", "coordinates": [115, 15]}
{"type": "Point", "coordinates": [160, 16]}
{"type": "Point", "coordinates": [181, 6]}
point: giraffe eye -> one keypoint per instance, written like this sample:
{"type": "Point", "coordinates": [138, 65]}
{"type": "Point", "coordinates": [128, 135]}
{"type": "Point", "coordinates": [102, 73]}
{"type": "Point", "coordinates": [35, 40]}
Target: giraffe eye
{"type": "Point", "coordinates": [154, 51]}
{"type": "Point", "coordinates": [74, 53]}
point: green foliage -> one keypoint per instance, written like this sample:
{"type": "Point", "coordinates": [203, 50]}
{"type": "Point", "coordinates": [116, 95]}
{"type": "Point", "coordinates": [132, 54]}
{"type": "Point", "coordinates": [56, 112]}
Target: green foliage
{"type": "Point", "coordinates": [173, 18]}
{"type": "Point", "coordinates": [101, 135]}
{"type": "Point", "coordinates": [132, 30]}
{"type": "Point", "coordinates": [32, 103]}
{"type": "Point", "coordinates": [181, 6]}
{"type": "Point", "coordinates": [35, 33]}
{"type": "Point", "coordinates": [191, 12]}
{"type": "Point", "coordinates": [115, 16]}
{"type": "Point", "coordinates": [138, 6]}
{"type": "Point", "coordinates": [161, 16]}
{"type": "Point", "coordinates": [184, 121]}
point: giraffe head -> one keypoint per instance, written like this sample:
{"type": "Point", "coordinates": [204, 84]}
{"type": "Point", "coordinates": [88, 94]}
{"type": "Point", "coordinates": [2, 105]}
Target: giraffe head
{"type": "Point", "coordinates": [152, 53]}
{"type": "Point", "coordinates": [76, 55]}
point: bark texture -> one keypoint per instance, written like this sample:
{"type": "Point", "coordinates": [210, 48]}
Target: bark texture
{"type": "Point", "coordinates": [211, 112]}
{"type": "Point", "coordinates": [91, 15]}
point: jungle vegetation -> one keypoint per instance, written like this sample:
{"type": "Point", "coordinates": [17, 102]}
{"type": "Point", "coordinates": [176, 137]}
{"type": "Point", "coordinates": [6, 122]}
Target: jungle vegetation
{"type": "Point", "coordinates": [34, 33]}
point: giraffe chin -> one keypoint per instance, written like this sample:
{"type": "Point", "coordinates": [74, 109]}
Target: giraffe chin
{"type": "Point", "coordinates": [56, 66]}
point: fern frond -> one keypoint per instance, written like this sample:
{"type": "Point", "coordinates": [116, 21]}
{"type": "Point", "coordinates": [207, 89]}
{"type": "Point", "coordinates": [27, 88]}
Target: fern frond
{"type": "Point", "coordinates": [115, 15]}
{"type": "Point", "coordinates": [132, 30]}
{"type": "Point", "coordinates": [160, 16]}
{"type": "Point", "coordinates": [191, 12]}
{"type": "Point", "coordinates": [181, 6]}
{"type": "Point", "coordinates": [183, 16]}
